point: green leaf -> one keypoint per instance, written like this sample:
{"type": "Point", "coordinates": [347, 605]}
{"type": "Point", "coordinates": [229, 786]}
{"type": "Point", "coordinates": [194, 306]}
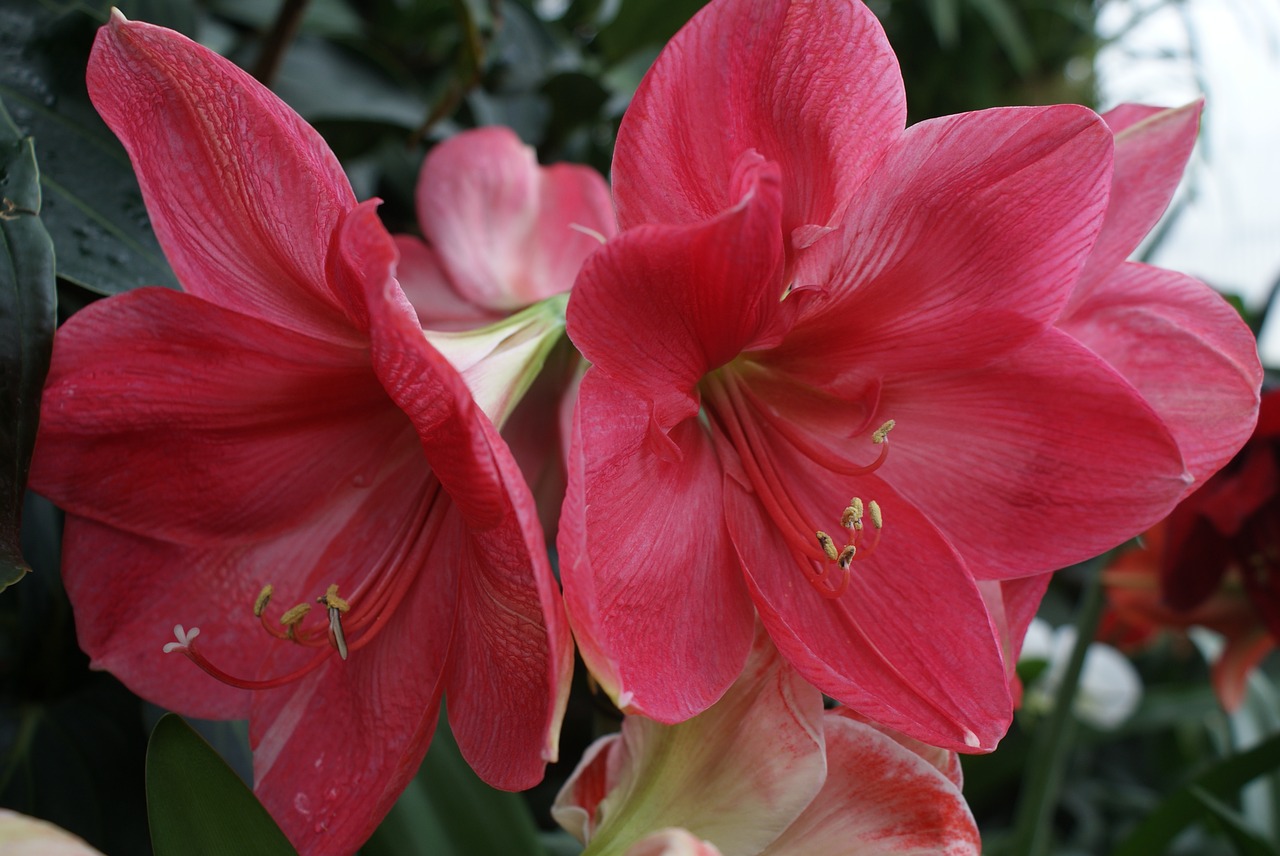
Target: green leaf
{"type": "Point", "coordinates": [1247, 842]}
{"type": "Point", "coordinates": [92, 206]}
{"type": "Point", "coordinates": [27, 320]}
{"type": "Point", "coordinates": [1187, 804]}
{"type": "Point", "coordinates": [197, 804]}
{"type": "Point", "coordinates": [448, 811]}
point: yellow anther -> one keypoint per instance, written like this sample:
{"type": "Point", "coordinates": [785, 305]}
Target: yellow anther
{"type": "Point", "coordinates": [852, 518]}
{"type": "Point", "coordinates": [330, 599]}
{"type": "Point", "coordinates": [828, 546]}
{"type": "Point", "coordinates": [264, 597]}
{"type": "Point", "coordinates": [294, 615]}
{"type": "Point", "coordinates": [873, 508]}
{"type": "Point", "coordinates": [882, 432]}
{"type": "Point", "coordinates": [846, 556]}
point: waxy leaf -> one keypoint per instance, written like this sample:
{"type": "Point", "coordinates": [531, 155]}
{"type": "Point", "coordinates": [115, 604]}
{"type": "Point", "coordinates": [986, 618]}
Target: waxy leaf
{"type": "Point", "coordinates": [448, 811]}
{"type": "Point", "coordinates": [26, 331]}
{"type": "Point", "coordinates": [92, 206]}
{"type": "Point", "coordinates": [197, 804]}
{"type": "Point", "coordinates": [1189, 803]}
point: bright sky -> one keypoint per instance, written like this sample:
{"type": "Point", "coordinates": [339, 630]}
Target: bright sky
{"type": "Point", "coordinates": [1229, 50]}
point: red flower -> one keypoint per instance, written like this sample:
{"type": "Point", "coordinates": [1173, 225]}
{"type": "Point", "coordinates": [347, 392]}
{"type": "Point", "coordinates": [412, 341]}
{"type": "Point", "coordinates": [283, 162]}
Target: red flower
{"type": "Point", "coordinates": [280, 434]}
{"type": "Point", "coordinates": [1215, 562]}
{"type": "Point", "coordinates": [796, 275]}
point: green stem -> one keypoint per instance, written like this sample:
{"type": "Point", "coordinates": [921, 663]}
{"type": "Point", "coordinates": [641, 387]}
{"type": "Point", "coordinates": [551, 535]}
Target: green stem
{"type": "Point", "coordinates": [282, 33]}
{"type": "Point", "coordinates": [1033, 825]}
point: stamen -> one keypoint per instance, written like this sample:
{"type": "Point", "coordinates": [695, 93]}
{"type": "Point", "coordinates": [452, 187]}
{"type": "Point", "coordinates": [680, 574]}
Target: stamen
{"type": "Point", "coordinates": [294, 615]}
{"type": "Point", "coordinates": [828, 546]}
{"type": "Point", "coordinates": [335, 627]}
{"type": "Point", "coordinates": [753, 427]}
{"type": "Point", "coordinates": [264, 597]}
{"type": "Point", "coordinates": [336, 606]}
{"type": "Point", "coordinates": [330, 599]}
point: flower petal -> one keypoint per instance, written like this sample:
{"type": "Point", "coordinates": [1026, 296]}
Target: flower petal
{"type": "Point", "coordinates": [1152, 148]}
{"type": "Point", "coordinates": [243, 194]}
{"type": "Point", "coordinates": [673, 842]}
{"type": "Point", "coordinates": [704, 292]}
{"type": "Point", "coordinates": [879, 798]}
{"type": "Point", "coordinates": [813, 86]}
{"type": "Point", "coordinates": [438, 305]}
{"type": "Point", "coordinates": [908, 645]}
{"type": "Point", "coordinates": [643, 546]}
{"type": "Point", "coordinates": [1184, 348]}
{"type": "Point", "coordinates": [964, 243]}
{"type": "Point", "coordinates": [507, 232]}
{"type": "Point", "coordinates": [1044, 459]}
{"type": "Point", "coordinates": [174, 418]}
{"type": "Point", "coordinates": [736, 775]}
{"type": "Point", "coordinates": [333, 752]}
{"type": "Point", "coordinates": [515, 635]}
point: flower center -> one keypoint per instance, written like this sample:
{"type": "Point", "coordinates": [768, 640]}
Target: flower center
{"type": "Point", "coordinates": [825, 562]}
{"type": "Point", "coordinates": [292, 625]}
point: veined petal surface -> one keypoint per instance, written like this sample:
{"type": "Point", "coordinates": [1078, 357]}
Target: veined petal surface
{"type": "Point", "coordinates": [243, 195]}
{"type": "Point", "coordinates": [810, 85]}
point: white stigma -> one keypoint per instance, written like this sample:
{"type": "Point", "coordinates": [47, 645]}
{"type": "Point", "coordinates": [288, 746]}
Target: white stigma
{"type": "Point", "coordinates": [184, 639]}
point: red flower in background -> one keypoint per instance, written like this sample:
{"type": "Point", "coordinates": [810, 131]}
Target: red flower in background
{"type": "Point", "coordinates": [1214, 562]}
{"type": "Point", "coordinates": [283, 431]}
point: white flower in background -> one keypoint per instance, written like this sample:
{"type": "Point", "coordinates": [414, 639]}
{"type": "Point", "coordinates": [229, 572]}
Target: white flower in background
{"type": "Point", "coordinates": [1110, 688]}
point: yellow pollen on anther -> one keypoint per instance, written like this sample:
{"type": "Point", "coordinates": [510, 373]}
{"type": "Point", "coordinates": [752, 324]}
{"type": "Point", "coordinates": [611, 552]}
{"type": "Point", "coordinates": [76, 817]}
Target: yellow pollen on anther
{"type": "Point", "coordinates": [294, 615]}
{"type": "Point", "coordinates": [873, 509]}
{"type": "Point", "coordinates": [828, 546]}
{"type": "Point", "coordinates": [852, 517]}
{"type": "Point", "coordinates": [332, 601]}
{"type": "Point", "coordinates": [846, 556]}
{"type": "Point", "coordinates": [264, 596]}
{"type": "Point", "coordinates": [882, 432]}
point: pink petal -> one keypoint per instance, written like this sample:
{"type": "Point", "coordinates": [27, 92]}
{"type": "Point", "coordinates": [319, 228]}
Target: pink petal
{"type": "Point", "coordinates": [1152, 148]}
{"type": "Point", "coordinates": [507, 232]}
{"type": "Point", "coordinates": [174, 418]}
{"type": "Point", "coordinates": [673, 842]}
{"type": "Point", "coordinates": [243, 194]}
{"type": "Point", "coordinates": [438, 305]}
{"type": "Point", "coordinates": [879, 798]}
{"type": "Point", "coordinates": [642, 547]}
{"type": "Point", "coordinates": [1044, 459]}
{"type": "Point", "coordinates": [1184, 349]}
{"type": "Point", "coordinates": [736, 775]}
{"type": "Point", "coordinates": [704, 292]}
{"type": "Point", "coordinates": [512, 632]}
{"type": "Point", "coordinates": [333, 752]}
{"type": "Point", "coordinates": [213, 587]}
{"type": "Point", "coordinates": [944, 761]}
{"type": "Point", "coordinates": [909, 644]}
{"type": "Point", "coordinates": [963, 243]}
{"type": "Point", "coordinates": [813, 86]}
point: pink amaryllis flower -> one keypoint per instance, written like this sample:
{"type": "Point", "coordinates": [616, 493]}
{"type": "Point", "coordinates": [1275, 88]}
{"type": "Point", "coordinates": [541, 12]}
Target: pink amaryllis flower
{"type": "Point", "coordinates": [504, 234]}
{"type": "Point", "coordinates": [766, 772]}
{"type": "Point", "coordinates": [501, 232]}
{"type": "Point", "coordinates": [278, 460]}
{"type": "Point", "coordinates": [801, 283]}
